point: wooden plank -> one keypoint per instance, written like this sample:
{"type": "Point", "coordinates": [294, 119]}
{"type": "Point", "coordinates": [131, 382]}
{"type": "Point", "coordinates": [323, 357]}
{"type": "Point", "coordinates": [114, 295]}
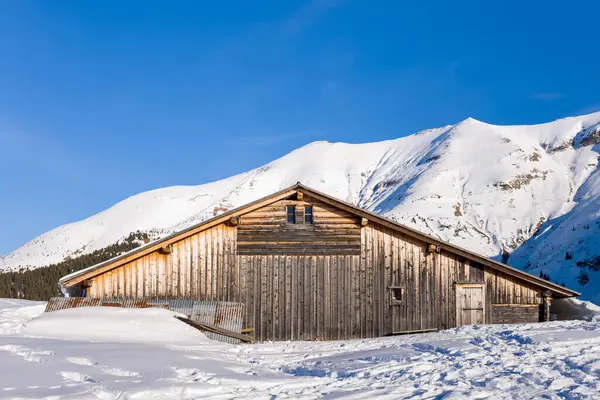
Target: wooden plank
{"type": "Point", "coordinates": [388, 280]}
{"type": "Point", "coordinates": [375, 248]}
{"type": "Point", "coordinates": [263, 277]}
{"type": "Point", "coordinates": [369, 282]}
{"type": "Point", "coordinates": [256, 289]}
{"type": "Point", "coordinates": [288, 316]}
{"type": "Point", "coordinates": [443, 291]}
{"type": "Point", "coordinates": [306, 244]}
{"type": "Point", "coordinates": [294, 293]}
{"type": "Point", "coordinates": [282, 297]}
{"type": "Point", "coordinates": [154, 267]}
{"type": "Point", "coordinates": [218, 262]}
{"type": "Point", "coordinates": [270, 295]}
{"type": "Point", "coordinates": [348, 298]}
{"type": "Point", "coordinates": [428, 299]}
{"type": "Point", "coordinates": [327, 298]}
{"type": "Point", "coordinates": [489, 288]}
{"type": "Point", "coordinates": [174, 277]}
{"type": "Point", "coordinates": [202, 268]}
{"type": "Point", "coordinates": [363, 283]}
{"type": "Point", "coordinates": [334, 278]}
{"type": "Point", "coordinates": [320, 296]}
{"type": "Point", "coordinates": [186, 268]}
{"type": "Point", "coordinates": [307, 298]}
{"type": "Point", "coordinates": [250, 289]}
{"type": "Point", "coordinates": [214, 329]}
{"type": "Point", "coordinates": [240, 288]}
{"type": "Point", "coordinates": [147, 281]}
{"type": "Point", "coordinates": [214, 263]}
{"type": "Point", "coordinates": [355, 297]}
{"type": "Point", "coordinates": [381, 287]}
{"type": "Point", "coordinates": [225, 265]}
{"type": "Point", "coordinates": [417, 285]}
{"type": "Point", "coordinates": [299, 230]}
{"type": "Point", "coordinates": [275, 296]}
{"type": "Point", "coordinates": [294, 252]}
{"type": "Point", "coordinates": [313, 297]}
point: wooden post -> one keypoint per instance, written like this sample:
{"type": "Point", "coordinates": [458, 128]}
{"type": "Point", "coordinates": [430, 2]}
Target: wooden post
{"type": "Point", "coordinates": [547, 304]}
{"type": "Point", "coordinates": [364, 222]}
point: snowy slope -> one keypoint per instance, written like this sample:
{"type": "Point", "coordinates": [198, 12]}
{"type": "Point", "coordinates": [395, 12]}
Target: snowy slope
{"type": "Point", "coordinates": [484, 187]}
{"type": "Point", "coordinates": [95, 353]}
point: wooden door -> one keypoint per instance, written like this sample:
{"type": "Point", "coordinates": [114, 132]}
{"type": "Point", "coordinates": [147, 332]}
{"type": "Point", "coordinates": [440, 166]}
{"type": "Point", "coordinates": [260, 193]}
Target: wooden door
{"type": "Point", "coordinates": [470, 304]}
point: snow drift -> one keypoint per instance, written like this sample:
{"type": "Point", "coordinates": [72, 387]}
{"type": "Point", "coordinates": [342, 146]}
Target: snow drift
{"type": "Point", "coordinates": [112, 324]}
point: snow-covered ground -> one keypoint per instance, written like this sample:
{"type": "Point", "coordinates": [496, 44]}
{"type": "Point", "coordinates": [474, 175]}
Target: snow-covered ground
{"type": "Point", "coordinates": [147, 354]}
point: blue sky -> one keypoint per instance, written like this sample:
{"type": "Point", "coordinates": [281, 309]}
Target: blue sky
{"type": "Point", "coordinates": [102, 100]}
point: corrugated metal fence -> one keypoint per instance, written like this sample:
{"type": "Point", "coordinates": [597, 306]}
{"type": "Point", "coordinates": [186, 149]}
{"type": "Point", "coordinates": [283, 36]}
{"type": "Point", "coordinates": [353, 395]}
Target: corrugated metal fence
{"type": "Point", "coordinates": [222, 314]}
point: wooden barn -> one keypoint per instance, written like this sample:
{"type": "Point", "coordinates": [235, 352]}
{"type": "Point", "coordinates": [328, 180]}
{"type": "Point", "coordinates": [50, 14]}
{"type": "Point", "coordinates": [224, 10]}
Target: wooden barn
{"type": "Point", "coordinates": [310, 267]}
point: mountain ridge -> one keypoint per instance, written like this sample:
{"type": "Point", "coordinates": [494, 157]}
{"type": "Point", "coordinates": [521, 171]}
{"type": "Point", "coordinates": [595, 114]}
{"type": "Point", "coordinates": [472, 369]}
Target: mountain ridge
{"type": "Point", "coordinates": [493, 189]}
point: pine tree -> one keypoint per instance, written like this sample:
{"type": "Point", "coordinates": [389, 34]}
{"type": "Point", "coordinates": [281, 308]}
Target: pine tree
{"type": "Point", "coordinates": [42, 283]}
{"type": "Point", "coordinates": [583, 278]}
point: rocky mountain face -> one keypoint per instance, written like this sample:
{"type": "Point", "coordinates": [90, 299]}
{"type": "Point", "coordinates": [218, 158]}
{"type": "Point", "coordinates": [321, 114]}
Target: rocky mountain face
{"type": "Point", "coordinates": [528, 195]}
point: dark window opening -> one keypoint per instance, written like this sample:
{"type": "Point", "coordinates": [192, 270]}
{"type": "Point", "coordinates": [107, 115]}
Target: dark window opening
{"type": "Point", "coordinates": [291, 214]}
{"type": "Point", "coordinates": [308, 215]}
{"type": "Point", "coordinates": [397, 294]}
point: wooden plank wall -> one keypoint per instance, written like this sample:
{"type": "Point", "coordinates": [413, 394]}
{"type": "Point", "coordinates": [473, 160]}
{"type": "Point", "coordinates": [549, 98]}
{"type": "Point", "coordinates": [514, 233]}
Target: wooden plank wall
{"type": "Point", "coordinates": [515, 313]}
{"type": "Point", "coordinates": [203, 266]}
{"type": "Point", "coordinates": [330, 280]}
{"type": "Point", "coordinates": [428, 280]}
{"type": "Point", "coordinates": [266, 231]}
{"type": "Point", "coordinates": [301, 297]}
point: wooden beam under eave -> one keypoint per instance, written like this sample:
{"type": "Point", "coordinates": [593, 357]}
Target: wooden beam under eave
{"type": "Point", "coordinates": [299, 196]}
{"type": "Point", "coordinates": [165, 249]}
{"type": "Point", "coordinates": [364, 221]}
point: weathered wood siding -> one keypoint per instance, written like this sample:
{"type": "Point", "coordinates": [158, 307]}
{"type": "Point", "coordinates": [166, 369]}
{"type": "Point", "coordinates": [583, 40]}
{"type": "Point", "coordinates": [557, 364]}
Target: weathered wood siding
{"type": "Point", "coordinates": [515, 313]}
{"type": "Point", "coordinates": [202, 266]}
{"type": "Point", "coordinates": [428, 281]}
{"type": "Point", "coordinates": [266, 231]}
{"type": "Point", "coordinates": [301, 297]}
{"type": "Point", "coordinates": [333, 279]}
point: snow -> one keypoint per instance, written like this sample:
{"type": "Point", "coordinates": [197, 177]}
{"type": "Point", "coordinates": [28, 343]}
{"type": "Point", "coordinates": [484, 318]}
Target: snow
{"type": "Point", "coordinates": [480, 186]}
{"type": "Point", "coordinates": [15, 312]}
{"type": "Point", "coordinates": [148, 354]}
{"type": "Point", "coordinates": [150, 325]}
{"type": "Point", "coordinates": [576, 309]}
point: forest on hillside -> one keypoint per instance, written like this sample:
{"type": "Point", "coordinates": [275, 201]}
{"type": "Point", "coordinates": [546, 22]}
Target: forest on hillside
{"type": "Point", "coordinates": [42, 283]}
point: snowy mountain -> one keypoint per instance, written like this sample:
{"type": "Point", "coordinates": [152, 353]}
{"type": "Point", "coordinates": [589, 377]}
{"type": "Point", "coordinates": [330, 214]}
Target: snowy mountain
{"type": "Point", "coordinates": [529, 191]}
